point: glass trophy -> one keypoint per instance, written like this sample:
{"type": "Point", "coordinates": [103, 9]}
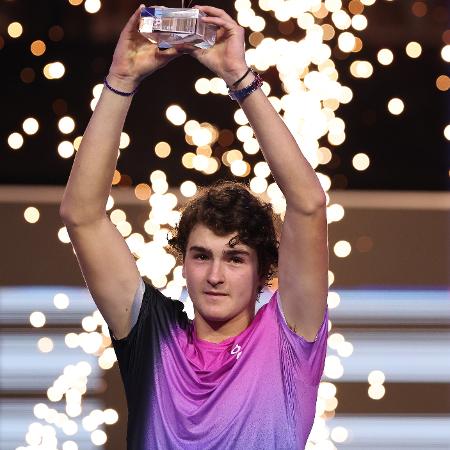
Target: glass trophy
{"type": "Point", "coordinates": [167, 27]}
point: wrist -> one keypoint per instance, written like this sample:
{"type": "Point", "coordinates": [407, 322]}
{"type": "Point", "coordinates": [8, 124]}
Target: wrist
{"type": "Point", "coordinates": [244, 82]}
{"type": "Point", "coordinates": [121, 83]}
{"type": "Point", "coordinates": [231, 77]}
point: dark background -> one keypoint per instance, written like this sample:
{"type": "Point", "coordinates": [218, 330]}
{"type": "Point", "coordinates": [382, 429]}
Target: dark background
{"type": "Point", "coordinates": [407, 152]}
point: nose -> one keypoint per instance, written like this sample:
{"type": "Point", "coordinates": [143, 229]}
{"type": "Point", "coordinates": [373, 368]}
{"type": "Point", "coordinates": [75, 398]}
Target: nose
{"type": "Point", "coordinates": [215, 274]}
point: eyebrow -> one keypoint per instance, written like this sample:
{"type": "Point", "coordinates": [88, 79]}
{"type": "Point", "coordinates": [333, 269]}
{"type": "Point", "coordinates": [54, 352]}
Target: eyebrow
{"type": "Point", "coordinates": [198, 248]}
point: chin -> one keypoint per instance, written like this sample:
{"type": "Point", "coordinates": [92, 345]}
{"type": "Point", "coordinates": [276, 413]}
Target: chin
{"type": "Point", "coordinates": [215, 313]}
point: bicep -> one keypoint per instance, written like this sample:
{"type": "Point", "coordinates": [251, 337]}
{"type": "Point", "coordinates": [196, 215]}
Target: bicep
{"type": "Point", "coordinates": [109, 270]}
{"type": "Point", "coordinates": [303, 270]}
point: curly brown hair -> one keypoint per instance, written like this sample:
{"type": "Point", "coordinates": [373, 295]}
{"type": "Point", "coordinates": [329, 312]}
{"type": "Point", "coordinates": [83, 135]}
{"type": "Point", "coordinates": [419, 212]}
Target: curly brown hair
{"type": "Point", "coordinates": [226, 207]}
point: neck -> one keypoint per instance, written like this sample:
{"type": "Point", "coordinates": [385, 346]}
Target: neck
{"type": "Point", "coordinates": [219, 331]}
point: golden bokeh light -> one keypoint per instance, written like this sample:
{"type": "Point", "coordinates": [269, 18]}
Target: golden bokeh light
{"type": "Point", "coordinates": [30, 126]}
{"type": "Point", "coordinates": [124, 140]}
{"type": "Point", "coordinates": [37, 319]}
{"type": "Point", "coordinates": [116, 177]}
{"type": "Point", "coordinates": [202, 86]}
{"type": "Point", "coordinates": [339, 434]}
{"type": "Point", "coordinates": [261, 169]}
{"type": "Point", "coordinates": [77, 142]}
{"type": "Point", "coordinates": [143, 191]}
{"type": "Point", "coordinates": [15, 29]}
{"type": "Point", "coordinates": [447, 132]}
{"type": "Point", "coordinates": [328, 31]}
{"type": "Point", "coordinates": [31, 214]}
{"type": "Point", "coordinates": [66, 125]}
{"type": "Point", "coordinates": [38, 47]}
{"type": "Point", "coordinates": [54, 71]}
{"type": "Point", "coordinates": [359, 22]}
{"type": "Point", "coordinates": [360, 161]}
{"type": "Point", "coordinates": [117, 216]}
{"type": "Point", "coordinates": [396, 106]}
{"type": "Point", "coordinates": [333, 5]}
{"type": "Point", "coordinates": [341, 19]}
{"type": "Point", "coordinates": [342, 249]}
{"type": "Point", "coordinates": [346, 42]}
{"type": "Point", "coordinates": [385, 56]}
{"type": "Point", "coordinates": [176, 115]}
{"type": "Point", "coordinates": [45, 345]}
{"type": "Point", "coordinates": [376, 377]}
{"type": "Point", "coordinates": [188, 188]}
{"type": "Point", "coordinates": [61, 301]}
{"type": "Point", "coordinates": [98, 437]}
{"type": "Point", "coordinates": [92, 6]}
{"type": "Point", "coordinates": [443, 83]}
{"type": "Point", "coordinates": [188, 160]}
{"type": "Point", "coordinates": [358, 45]}
{"type": "Point", "coordinates": [376, 391]}
{"type": "Point", "coordinates": [413, 49]}
{"type": "Point", "coordinates": [258, 185]}
{"type": "Point", "coordinates": [361, 69]}
{"type": "Point", "coordinates": [162, 149]}
{"type": "Point", "coordinates": [239, 167]}
{"type": "Point", "coordinates": [445, 53]}
{"type": "Point", "coordinates": [15, 141]}
{"type": "Point", "coordinates": [65, 149]}
{"type": "Point", "coordinates": [355, 7]}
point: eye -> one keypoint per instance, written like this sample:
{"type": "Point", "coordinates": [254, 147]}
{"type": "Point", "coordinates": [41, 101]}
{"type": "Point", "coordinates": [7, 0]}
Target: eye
{"type": "Point", "coordinates": [236, 259]}
{"type": "Point", "coordinates": [201, 256]}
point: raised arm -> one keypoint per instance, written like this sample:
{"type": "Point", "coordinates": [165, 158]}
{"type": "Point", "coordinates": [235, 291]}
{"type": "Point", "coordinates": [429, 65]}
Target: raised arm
{"type": "Point", "coordinates": [90, 179]}
{"type": "Point", "coordinates": [108, 267]}
{"type": "Point", "coordinates": [303, 251]}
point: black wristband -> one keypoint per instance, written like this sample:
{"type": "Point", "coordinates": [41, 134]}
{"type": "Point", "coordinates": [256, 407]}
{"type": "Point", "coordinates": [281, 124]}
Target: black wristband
{"type": "Point", "coordinates": [123, 94]}
{"type": "Point", "coordinates": [240, 79]}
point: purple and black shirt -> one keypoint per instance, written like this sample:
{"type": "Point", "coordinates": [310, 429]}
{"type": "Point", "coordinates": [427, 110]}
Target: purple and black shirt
{"type": "Point", "coordinates": [254, 391]}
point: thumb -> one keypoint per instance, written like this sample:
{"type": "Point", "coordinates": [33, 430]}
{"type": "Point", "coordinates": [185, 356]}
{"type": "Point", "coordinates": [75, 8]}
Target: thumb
{"type": "Point", "coordinates": [168, 54]}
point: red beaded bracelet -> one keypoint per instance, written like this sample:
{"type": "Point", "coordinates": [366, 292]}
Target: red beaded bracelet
{"type": "Point", "coordinates": [240, 94]}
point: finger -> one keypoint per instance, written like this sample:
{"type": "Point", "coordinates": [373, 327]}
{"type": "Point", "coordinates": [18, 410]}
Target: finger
{"type": "Point", "coordinates": [169, 53]}
{"type": "Point", "coordinates": [212, 11]}
{"type": "Point", "coordinates": [133, 21]}
{"type": "Point", "coordinates": [227, 25]}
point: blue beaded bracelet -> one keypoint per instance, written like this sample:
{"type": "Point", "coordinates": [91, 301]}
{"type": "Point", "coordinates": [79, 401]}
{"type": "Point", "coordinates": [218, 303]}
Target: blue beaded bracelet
{"type": "Point", "coordinates": [240, 94]}
{"type": "Point", "coordinates": [123, 94]}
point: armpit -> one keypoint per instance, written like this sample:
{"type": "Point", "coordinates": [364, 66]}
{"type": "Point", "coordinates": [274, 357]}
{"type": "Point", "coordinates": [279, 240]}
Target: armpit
{"type": "Point", "coordinates": [292, 327]}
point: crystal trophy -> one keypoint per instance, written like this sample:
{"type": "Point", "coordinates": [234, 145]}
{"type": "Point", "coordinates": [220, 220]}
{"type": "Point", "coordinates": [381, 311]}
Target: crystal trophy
{"type": "Point", "coordinates": [167, 27]}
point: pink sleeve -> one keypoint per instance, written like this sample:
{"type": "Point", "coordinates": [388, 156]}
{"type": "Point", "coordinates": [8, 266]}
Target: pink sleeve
{"type": "Point", "coordinates": [308, 357]}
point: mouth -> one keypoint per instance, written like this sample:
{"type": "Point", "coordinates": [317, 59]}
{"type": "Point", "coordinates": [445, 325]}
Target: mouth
{"type": "Point", "coordinates": [215, 294]}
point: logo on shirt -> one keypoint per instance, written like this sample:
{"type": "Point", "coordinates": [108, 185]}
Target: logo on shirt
{"type": "Point", "coordinates": [237, 350]}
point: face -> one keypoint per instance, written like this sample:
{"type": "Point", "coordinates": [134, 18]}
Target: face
{"type": "Point", "coordinates": [212, 267]}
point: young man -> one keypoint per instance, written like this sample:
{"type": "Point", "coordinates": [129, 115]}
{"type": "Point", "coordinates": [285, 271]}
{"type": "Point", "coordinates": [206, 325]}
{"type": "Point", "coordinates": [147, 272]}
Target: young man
{"type": "Point", "coordinates": [230, 379]}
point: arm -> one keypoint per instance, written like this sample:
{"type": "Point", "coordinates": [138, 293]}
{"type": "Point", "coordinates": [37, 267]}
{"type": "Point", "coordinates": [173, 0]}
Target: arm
{"type": "Point", "coordinates": [303, 251]}
{"type": "Point", "coordinates": [108, 266]}
{"type": "Point", "coordinates": [90, 179]}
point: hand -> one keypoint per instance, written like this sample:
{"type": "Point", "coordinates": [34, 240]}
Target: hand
{"type": "Point", "coordinates": [135, 57]}
{"type": "Point", "coordinates": [226, 58]}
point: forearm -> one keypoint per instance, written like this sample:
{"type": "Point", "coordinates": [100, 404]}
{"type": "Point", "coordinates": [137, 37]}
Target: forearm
{"type": "Point", "coordinates": [91, 176]}
{"type": "Point", "coordinates": [290, 169]}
